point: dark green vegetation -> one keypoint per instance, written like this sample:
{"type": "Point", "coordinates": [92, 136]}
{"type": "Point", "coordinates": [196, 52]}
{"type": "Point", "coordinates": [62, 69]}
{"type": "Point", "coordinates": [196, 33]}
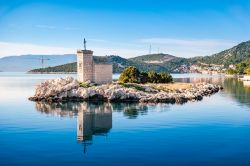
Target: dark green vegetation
{"type": "Point", "coordinates": [154, 58]}
{"type": "Point", "coordinates": [133, 75]}
{"type": "Point", "coordinates": [119, 64]}
{"type": "Point", "coordinates": [130, 75]}
{"type": "Point", "coordinates": [234, 55]}
{"type": "Point", "coordinates": [241, 68]}
{"type": "Point", "coordinates": [69, 67]}
{"type": "Point", "coordinates": [231, 71]}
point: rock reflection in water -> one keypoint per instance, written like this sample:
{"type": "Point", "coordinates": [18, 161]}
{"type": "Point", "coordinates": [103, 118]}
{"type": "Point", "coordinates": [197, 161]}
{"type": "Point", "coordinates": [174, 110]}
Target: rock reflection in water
{"type": "Point", "coordinates": [238, 90]}
{"type": "Point", "coordinates": [58, 109]}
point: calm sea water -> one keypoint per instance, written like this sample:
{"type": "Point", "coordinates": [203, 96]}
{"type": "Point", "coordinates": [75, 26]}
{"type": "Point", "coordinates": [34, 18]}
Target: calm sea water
{"type": "Point", "coordinates": [214, 131]}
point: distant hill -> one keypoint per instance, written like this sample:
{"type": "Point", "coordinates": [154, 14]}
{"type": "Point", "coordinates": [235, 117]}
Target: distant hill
{"type": "Point", "coordinates": [119, 64]}
{"type": "Point", "coordinates": [154, 58]}
{"type": "Point", "coordinates": [168, 62]}
{"type": "Point", "coordinates": [234, 55]}
{"type": "Point", "coordinates": [25, 63]}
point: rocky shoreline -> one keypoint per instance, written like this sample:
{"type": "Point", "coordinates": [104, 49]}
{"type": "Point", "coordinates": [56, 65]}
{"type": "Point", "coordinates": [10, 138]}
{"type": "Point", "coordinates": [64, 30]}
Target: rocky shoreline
{"type": "Point", "coordinates": [69, 89]}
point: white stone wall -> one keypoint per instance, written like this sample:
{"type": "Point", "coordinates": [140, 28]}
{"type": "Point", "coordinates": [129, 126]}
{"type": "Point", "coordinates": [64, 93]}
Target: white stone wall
{"type": "Point", "coordinates": [103, 73]}
{"type": "Point", "coordinates": [79, 66]}
{"type": "Point", "coordinates": [84, 65]}
{"type": "Point", "coordinates": [88, 71]}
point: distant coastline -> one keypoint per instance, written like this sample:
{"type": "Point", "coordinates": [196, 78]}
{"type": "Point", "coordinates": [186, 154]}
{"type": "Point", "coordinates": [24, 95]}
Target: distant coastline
{"type": "Point", "coordinates": [31, 72]}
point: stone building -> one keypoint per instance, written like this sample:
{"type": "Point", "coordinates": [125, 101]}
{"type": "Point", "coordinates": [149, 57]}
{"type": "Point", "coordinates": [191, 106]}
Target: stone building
{"type": "Point", "coordinates": [88, 70]}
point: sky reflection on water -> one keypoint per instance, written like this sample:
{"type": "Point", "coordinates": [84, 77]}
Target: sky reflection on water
{"type": "Point", "coordinates": [214, 131]}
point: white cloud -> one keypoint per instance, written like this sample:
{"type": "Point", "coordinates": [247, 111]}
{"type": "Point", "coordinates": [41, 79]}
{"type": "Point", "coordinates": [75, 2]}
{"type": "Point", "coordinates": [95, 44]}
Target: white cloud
{"type": "Point", "coordinates": [177, 47]}
{"type": "Point", "coordinates": [8, 48]}
{"type": "Point", "coordinates": [188, 47]}
{"type": "Point", "coordinates": [127, 53]}
{"type": "Point", "coordinates": [190, 42]}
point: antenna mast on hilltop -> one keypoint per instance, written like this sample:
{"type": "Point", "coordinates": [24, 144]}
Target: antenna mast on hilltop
{"type": "Point", "coordinates": [150, 49]}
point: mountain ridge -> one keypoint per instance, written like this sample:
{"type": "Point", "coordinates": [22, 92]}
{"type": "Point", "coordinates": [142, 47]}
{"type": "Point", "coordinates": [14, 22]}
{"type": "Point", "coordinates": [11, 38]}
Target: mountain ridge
{"type": "Point", "coordinates": [28, 62]}
{"type": "Point", "coordinates": [156, 62]}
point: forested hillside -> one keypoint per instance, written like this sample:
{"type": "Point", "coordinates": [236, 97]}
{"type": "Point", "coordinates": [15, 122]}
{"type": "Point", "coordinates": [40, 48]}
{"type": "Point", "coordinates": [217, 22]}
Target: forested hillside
{"type": "Point", "coordinates": [234, 55]}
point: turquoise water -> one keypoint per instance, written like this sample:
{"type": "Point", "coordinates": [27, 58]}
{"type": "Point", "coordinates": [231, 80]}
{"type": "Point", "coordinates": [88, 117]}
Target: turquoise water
{"type": "Point", "coordinates": [214, 131]}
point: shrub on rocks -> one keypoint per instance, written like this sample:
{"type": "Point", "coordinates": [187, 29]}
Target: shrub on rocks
{"type": "Point", "coordinates": [144, 77]}
{"type": "Point", "coordinates": [154, 77]}
{"type": "Point", "coordinates": [247, 71]}
{"type": "Point", "coordinates": [165, 77]}
{"type": "Point", "coordinates": [133, 75]}
{"type": "Point", "coordinates": [130, 75]}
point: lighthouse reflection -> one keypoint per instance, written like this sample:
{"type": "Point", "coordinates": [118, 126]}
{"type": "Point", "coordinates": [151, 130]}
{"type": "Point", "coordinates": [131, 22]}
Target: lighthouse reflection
{"type": "Point", "coordinates": [93, 119]}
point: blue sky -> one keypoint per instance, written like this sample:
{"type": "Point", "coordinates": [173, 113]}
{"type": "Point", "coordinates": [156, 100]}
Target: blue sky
{"type": "Point", "coordinates": [183, 28]}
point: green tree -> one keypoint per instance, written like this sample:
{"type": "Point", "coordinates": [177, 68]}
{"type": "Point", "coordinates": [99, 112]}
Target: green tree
{"type": "Point", "coordinates": [133, 75]}
{"type": "Point", "coordinates": [231, 71]}
{"type": "Point", "coordinates": [153, 77]}
{"type": "Point", "coordinates": [165, 77]}
{"type": "Point", "coordinates": [241, 67]}
{"type": "Point", "coordinates": [247, 71]}
{"type": "Point", "coordinates": [144, 77]}
{"type": "Point", "coordinates": [130, 75]}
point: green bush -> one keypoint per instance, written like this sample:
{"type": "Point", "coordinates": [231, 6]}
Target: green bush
{"type": "Point", "coordinates": [154, 77]}
{"type": "Point", "coordinates": [247, 71]}
{"type": "Point", "coordinates": [241, 67]}
{"type": "Point", "coordinates": [144, 77]}
{"type": "Point", "coordinates": [231, 71]}
{"type": "Point", "coordinates": [165, 77]}
{"type": "Point", "coordinates": [130, 75]}
{"type": "Point", "coordinates": [133, 75]}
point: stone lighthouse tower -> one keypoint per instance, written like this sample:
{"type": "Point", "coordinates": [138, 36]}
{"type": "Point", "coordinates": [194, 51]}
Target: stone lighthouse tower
{"type": "Point", "coordinates": [88, 70]}
{"type": "Point", "coordinates": [84, 64]}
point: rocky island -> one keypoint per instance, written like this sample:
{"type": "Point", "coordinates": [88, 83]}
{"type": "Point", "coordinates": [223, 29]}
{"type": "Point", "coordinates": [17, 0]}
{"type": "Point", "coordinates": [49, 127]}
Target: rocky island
{"type": "Point", "coordinates": [94, 82]}
{"type": "Point", "coordinates": [69, 89]}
